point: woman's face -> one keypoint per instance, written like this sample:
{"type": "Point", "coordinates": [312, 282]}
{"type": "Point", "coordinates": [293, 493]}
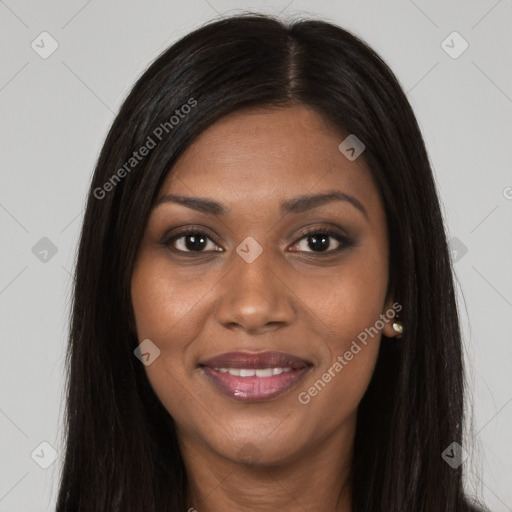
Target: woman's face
{"type": "Point", "coordinates": [251, 282]}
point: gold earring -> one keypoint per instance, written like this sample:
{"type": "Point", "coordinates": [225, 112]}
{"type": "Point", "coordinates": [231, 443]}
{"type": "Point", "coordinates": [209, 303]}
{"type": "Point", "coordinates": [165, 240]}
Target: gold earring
{"type": "Point", "coordinates": [398, 328]}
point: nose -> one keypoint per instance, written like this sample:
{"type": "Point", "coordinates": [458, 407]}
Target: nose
{"type": "Point", "coordinates": [253, 297]}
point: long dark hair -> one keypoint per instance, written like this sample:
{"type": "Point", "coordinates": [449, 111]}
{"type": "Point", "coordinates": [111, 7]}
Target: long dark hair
{"type": "Point", "coordinates": [121, 447]}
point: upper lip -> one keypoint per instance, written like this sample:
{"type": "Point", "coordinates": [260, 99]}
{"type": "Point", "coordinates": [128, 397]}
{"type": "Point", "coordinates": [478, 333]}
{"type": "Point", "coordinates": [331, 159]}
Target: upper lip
{"type": "Point", "coordinates": [255, 360]}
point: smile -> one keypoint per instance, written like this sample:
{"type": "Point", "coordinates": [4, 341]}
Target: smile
{"type": "Point", "coordinates": [255, 376]}
{"type": "Point", "coordinates": [251, 372]}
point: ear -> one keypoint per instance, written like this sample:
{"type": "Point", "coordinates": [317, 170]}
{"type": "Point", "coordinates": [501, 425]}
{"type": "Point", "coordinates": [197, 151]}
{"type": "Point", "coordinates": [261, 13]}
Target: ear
{"type": "Point", "coordinates": [389, 316]}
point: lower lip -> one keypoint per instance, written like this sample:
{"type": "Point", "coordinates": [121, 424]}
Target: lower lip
{"type": "Point", "coordinates": [253, 389]}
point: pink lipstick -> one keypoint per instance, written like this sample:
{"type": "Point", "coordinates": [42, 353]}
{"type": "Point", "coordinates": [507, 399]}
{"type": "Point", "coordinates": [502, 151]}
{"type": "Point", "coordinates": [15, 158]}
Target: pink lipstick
{"type": "Point", "coordinates": [247, 376]}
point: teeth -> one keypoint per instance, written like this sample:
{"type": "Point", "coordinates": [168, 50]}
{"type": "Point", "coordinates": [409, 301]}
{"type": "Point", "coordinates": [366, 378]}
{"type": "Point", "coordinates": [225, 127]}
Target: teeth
{"type": "Point", "coordinates": [251, 372]}
{"type": "Point", "coordinates": [267, 372]}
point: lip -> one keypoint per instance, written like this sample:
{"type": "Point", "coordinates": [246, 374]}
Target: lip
{"type": "Point", "coordinates": [256, 360]}
{"type": "Point", "coordinates": [255, 389]}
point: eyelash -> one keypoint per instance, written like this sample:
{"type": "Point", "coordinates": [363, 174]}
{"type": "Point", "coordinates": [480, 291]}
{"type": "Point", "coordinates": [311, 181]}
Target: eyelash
{"type": "Point", "coordinates": [344, 241]}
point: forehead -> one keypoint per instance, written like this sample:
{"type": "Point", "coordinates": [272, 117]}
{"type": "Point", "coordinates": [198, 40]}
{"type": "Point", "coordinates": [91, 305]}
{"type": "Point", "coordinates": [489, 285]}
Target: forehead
{"type": "Point", "coordinates": [260, 154]}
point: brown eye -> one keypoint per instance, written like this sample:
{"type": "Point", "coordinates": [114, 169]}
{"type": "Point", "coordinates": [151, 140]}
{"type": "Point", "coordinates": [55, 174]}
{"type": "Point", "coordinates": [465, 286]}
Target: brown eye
{"type": "Point", "coordinates": [191, 240]}
{"type": "Point", "coordinates": [319, 241]}
{"type": "Point", "coordinates": [195, 242]}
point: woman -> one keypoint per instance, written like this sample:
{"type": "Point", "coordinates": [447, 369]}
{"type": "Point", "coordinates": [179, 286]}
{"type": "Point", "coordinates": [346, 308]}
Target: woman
{"type": "Point", "coordinates": [264, 315]}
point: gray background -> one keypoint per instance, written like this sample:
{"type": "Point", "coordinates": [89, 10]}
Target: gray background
{"type": "Point", "coordinates": [55, 113]}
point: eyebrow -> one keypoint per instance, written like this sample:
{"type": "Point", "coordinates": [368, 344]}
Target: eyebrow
{"type": "Point", "coordinates": [294, 205]}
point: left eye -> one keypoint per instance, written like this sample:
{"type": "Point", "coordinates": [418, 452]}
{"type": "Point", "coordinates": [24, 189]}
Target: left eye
{"type": "Point", "coordinates": [320, 240]}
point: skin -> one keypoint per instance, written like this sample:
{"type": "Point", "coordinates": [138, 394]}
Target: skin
{"type": "Point", "coordinates": [196, 305]}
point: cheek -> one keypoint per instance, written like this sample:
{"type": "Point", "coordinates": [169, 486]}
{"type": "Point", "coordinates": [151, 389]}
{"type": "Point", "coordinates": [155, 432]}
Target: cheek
{"type": "Point", "coordinates": [170, 312]}
{"type": "Point", "coordinates": [350, 300]}
{"type": "Point", "coordinates": [346, 310]}
{"type": "Point", "coordinates": [163, 303]}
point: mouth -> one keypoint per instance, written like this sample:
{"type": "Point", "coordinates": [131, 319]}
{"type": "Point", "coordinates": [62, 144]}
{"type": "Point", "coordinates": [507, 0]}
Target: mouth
{"type": "Point", "coordinates": [253, 377]}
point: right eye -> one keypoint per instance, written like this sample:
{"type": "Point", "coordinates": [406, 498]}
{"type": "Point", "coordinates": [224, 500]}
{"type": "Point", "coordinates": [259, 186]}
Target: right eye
{"type": "Point", "coordinates": [190, 240]}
